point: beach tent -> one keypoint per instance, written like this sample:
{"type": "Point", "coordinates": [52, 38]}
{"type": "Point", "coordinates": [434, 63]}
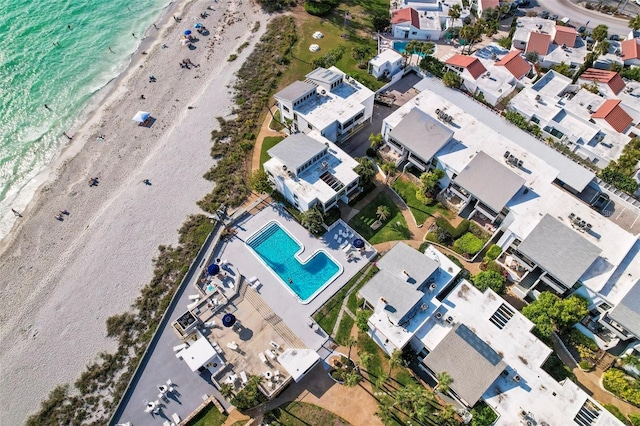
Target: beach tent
{"type": "Point", "coordinates": [141, 117]}
{"type": "Point", "coordinates": [199, 353]}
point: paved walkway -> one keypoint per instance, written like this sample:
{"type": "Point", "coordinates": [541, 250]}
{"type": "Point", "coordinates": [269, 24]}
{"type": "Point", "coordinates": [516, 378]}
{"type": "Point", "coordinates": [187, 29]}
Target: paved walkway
{"type": "Point", "coordinates": [590, 381]}
{"type": "Point", "coordinates": [264, 132]}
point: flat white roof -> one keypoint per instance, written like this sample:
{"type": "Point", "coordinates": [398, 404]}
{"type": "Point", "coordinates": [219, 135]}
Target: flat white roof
{"type": "Point", "coordinates": [526, 24]}
{"type": "Point", "coordinates": [308, 185]}
{"type": "Point", "coordinates": [388, 55]}
{"type": "Point", "coordinates": [542, 196]}
{"type": "Point", "coordinates": [568, 55]}
{"type": "Point", "coordinates": [536, 392]}
{"type": "Point", "coordinates": [198, 353]}
{"type": "Point", "coordinates": [341, 103]}
{"type": "Point", "coordinates": [298, 362]}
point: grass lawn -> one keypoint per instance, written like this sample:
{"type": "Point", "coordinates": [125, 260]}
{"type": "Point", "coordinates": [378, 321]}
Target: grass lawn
{"type": "Point", "coordinates": [210, 416]}
{"type": "Point", "coordinates": [275, 123]}
{"type": "Point", "coordinates": [301, 413]}
{"type": "Point", "coordinates": [356, 33]}
{"type": "Point", "coordinates": [344, 329]}
{"type": "Point", "coordinates": [367, 345]}
{"type": "Point", "coordinates": [268, 143]}
{"type": "Point", "coordinates": [363, 220]}
{"type": "Point", "coordinates": [327, 316]}
{"type": "Point", "coordinates": [352, 303]}
{"type": "Point", "coordinates": [407, 190]}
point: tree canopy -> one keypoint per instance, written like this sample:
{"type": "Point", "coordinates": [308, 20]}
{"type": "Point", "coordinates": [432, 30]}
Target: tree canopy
{"type": "Point", "coordinates": [600, 33]}
{"type": "Point", "coordinates": [490, 279]}
{"type": "Point", "coordinates": [366, 170]}
{"type": "Point", "coordinates": [550, 313]}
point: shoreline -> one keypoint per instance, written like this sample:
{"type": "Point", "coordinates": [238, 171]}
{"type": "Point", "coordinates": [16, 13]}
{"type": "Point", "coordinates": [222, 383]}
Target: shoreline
{"type": "Point", "coordinates": [63, 279]}
{"type": "Point", "coordinates": [101, 98]}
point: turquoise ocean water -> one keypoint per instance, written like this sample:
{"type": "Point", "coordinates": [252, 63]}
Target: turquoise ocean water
{"type": "Point", "coordinates": [66, 76]}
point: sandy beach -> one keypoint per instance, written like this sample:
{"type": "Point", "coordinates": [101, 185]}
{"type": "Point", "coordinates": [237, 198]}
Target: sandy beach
{"type": "Point", "coordinates": [62, 280]}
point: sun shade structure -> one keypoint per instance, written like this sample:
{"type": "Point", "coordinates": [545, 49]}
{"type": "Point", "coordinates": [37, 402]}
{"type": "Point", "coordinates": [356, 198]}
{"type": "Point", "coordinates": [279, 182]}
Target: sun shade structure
{"type": "Point", "coordinates": [187, 32]}
{"type": "Point", "coordinates": [298, 362]}
{"type": "Point", "coordinates": [141, 117]}
{"type": "Point", "coordinates": [199, 354]}
{"type": "Point", "coordinates": [213, 269]}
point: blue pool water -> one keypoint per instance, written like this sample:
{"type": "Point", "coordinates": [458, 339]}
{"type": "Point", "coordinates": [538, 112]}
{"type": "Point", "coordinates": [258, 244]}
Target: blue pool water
{"type": "Point", "coordinates": [401, 45]}
{"type": "Point", "coordinates": [278, 250]}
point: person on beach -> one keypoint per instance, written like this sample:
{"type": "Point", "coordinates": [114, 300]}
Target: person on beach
{"type": "Point", "coordinates": [65, 211]}
{"type": "Point", "coordinates": [155, 26]}
{"type": "Point", "coordinates": [16, 213]}
{"type": "Point", "coordinates": [47, 107]}
{"type": "Point", "coordinates": [110, 50]}
{"type": "Point", "coordinates": [68, 137]}
{"type": "Point", "coordinates": [59, 217]}
{"type": "Point", "coordinates": [147, 182]}
{"type": "Point", "coordinates": [142, 97]}
{"type": "Point", "coordinates": [134, 35]}
{"type": "Point", "coordinates": [55, 43]}
{"type": "Point", "coordinates": [68, 27]}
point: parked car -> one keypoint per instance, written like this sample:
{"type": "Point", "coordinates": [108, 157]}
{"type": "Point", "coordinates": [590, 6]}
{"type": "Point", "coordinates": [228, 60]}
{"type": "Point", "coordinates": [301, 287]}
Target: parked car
{"type": "Point", "coordinates": [582, 30]}
{"type": "Point", "coordinates": [614, 37]}
{"type": "Point", "coordinates": [553, 17]}
{"type": "Point", "coordinates": [544, 14]}
{"type": "Point", "coordinates": [600, 202]}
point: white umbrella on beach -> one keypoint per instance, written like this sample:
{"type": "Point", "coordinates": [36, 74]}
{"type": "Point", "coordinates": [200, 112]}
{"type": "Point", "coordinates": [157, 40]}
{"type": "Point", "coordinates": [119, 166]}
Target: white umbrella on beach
{"type": "Point", "coordinates": [141, 117]}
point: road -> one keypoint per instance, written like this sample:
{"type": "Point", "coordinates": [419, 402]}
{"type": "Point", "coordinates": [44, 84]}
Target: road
{"type": "Point", "coordinates": [580, 16]}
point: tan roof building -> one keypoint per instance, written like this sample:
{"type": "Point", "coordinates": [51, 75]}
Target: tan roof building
{"type": "Point", "coordinates": [538, 43]}
{"type": "Point", "coordinates": [611, 78]}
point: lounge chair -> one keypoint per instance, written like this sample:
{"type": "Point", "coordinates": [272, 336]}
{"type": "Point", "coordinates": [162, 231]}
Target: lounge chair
{"type": "Point", "coordinates": [339, 240]}
{"type": "Point", "coordinates": [270, 354]}
{"type": "Point", "coordinates": [252, 279]}
{"type": "Point", "coordinates": [256, 284]}
{"type": "Point", "coordinates": [176, 418]}
{"type": "Point", "coordinates": [262, 357]}
{"type": "Point", "coordinates": [243, 377]}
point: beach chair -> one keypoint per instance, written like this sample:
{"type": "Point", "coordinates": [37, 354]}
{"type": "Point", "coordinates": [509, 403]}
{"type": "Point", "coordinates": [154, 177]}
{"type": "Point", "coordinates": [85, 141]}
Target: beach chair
{"type": "Point", "coordinates": [252, 279]}
{"type": "Point", "coordinates": [210, 324]}
{"type": "Point", "coordinates": [262, 357]}
{"type": "Point", "coordinates": [335, 236]}
{"type": "Point", "coordinates": [339, 240]}
{"type": "Point", "coordinates": [176, 418]}
{"type": "Point", "coordinates": [270, 354]}
{"type": "Point", "coordinates": [243, 377]}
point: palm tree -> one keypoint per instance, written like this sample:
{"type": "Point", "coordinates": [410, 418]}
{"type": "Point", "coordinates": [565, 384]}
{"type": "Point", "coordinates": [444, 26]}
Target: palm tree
{"type": "Point", "coordinates": [401, 230]}
{"type": "Point", "coordinates": [634, 24]}
{"type": "Point", "coordinates": [350, 342]}
{"type": "Point", "coordinates": [366, 170]}
{"type": "Point", "coordinates": [312, 220]}
{"type": "Point", "coordinates": [395, 360]}
{"type": "Point", "coordinates": [383, 212]}
{"type": "Point", "coordinates": [376, 140]}
{"type": "Point", "coordinates": [444, 381]}
{"type": "Point", "coordinates": [352, 378]}
{"type": "Point", "coordinates": [454, 12]}
{"type": "Point", "coordinates": [602, 48]}
{"type": "Point", "coordinates": [226, 389]}
{"type": "Point", "coordinates": [385, 411]}
{"type": "Point", "coordinates": [365, 359]}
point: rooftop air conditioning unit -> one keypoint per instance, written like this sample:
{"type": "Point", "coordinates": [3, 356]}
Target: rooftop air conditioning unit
{"type": "Point", "coordinates": [323, 92]}
{"type": "Point", "coordinates": [424, 307]}
{"type": "Point", "coordinates": [432, 287]}
{"type": "Point", "coordinates": [538, 97]}
{"type": "Point", "coordinates": [284, 168]}
{"type": "Point", "coordinates": [589, 108]}
{"type": "Point", "coordinates": [516, 378]}
{"type": "Point", "coordinates": [325, 164]}
{"type": "Point", "coordinates": [450, 319]}
{"type": "Point", "coordinates": [438, 315]}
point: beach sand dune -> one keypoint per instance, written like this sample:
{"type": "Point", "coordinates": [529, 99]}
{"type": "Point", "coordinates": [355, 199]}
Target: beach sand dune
{"type": "Point", "coordinates": [62, 280]}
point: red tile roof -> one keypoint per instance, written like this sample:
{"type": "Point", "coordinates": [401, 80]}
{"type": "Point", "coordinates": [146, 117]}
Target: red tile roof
{"type": "Point", "coordinates": [486, 4]}
{"type": "Point", "coordinates": [565, 35]}
{"type": "Point", "coordinates": [538, 43]}
{"type": "Point", "coordinates": [610, 78]}
{"type": "Point", "coordinates": [406, 15]}
{"type": "Point", "coordinates": [473, 65]}
{"type": "Point", "coordinates": [515, 64]}
{"type": "Point", "coordinates": [612, 113]}
{"type": "Point", "coordinates": [630, 49]}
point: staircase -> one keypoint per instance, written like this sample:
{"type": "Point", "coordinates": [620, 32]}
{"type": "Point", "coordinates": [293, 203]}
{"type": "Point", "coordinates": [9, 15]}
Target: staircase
{"type": "Point", "coordinates": [272, 319]}
{"type": "Point", "coordinates": [605, 360]}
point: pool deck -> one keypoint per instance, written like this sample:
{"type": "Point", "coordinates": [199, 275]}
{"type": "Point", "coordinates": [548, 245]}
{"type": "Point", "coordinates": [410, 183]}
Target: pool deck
{"type": "Point", "coordinates": [257, 310]}
{"type": "Point", "coordinates": [293, 313]}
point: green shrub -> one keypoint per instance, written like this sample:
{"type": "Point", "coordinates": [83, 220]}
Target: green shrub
{"type": "Point", "coordinates": [494, 251]}
{"type": "Point", "coordinates": [576, 338]}
{"type": "Point", "coordinates": [489, 279]}
{"type": "Point", "coordinates": [468, 243]}
{"type": "Point", "coordinates": [617, 382]}
{"type": "Point", "coordinates": [250, 396]}
{"type": "Point", "coordinates": [634, 419]}
{"type": "Point", "coordinates": [483, 415]}
{"type": "Point", "coordinates": [455, 233]}
{"type": "Point", "coordinates": [232, 57]}
{"type": "Point", "coordinates": [317, 8]}
{"type": "Point", "coordinates": [585, 365]}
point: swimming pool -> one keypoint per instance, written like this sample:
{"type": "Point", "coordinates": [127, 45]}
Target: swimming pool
{"type": "Point", "coordinates": [399, 46]}
{"type": "Point", "coordinates": [280, 252]}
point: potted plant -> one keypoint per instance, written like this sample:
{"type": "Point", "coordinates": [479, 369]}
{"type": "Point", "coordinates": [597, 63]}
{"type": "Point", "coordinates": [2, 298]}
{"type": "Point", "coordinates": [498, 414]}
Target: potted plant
{"type": "Point", "coordinates": [585, 365]}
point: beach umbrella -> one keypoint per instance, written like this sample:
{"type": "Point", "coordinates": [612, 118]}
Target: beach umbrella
{"type": "Point", "coordinates": [187, 32]}
{"type": "Point", "coordinates": [213, 269]}
{"type": "Point", "coordinates": [358, 243]}
{"type": "Point", "coordinates": [141, 117]}
{"type": "Point", "coordinates": [228, 320]}
{"type": "Point", "coordinates": [198, 25]}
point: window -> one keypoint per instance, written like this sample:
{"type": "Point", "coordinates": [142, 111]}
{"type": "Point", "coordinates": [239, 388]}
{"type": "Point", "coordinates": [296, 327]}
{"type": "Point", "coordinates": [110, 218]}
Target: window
{"type": "Point", "coordinates": [310, 126]}
{"type": "Point", "coordinates": [295, 116]}
{"type": "Point", "coordinates": [284, 107]}
{"type": "Point", "coordinates": [535, 119]}
{"type": "Point", "coordinates": [501, 316]}
{"type": "Point", "coordinates": [556, 133]}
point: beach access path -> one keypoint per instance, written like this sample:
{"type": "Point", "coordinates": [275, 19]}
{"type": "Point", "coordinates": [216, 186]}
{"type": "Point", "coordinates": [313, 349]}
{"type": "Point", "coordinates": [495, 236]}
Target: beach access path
{"type": "Point", "coordinates": [62, 280]}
